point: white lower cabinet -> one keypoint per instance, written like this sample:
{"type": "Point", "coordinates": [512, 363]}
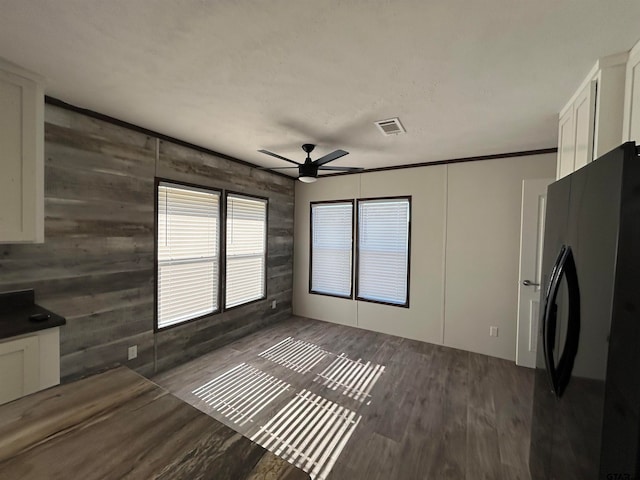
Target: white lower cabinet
{"type": "Point", "coordinates": [19, 371]}
{"type": "Point", "coordinates": [29, 363]}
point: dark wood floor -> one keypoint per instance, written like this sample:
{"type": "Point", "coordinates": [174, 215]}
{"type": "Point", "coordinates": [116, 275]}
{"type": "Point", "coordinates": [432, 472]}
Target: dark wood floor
{"type": "Point", "coordinates": [433, 413]}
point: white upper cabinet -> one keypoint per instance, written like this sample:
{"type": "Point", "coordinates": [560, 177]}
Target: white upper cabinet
{"type": "Point", "coordinates": [584, 113]}
{"type": "Point", "coordinates": [590, 124]}
{"type": "Point", "coordinates": [631, 126]}
{"type": "Point", "coordinates": [21, 155]}
{"type": "Point", "coordinates": [566, 144]}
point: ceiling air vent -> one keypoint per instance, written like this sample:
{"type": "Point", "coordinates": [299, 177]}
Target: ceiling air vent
{"type": "Point", "coordinates": [391, 126]}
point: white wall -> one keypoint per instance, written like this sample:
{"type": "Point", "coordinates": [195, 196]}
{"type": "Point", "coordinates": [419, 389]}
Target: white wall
{"type": "Point", "coordinates": [465, 234]}
{"type": "Point", "coordinates": [483, 247]}
{"type": "Point", "coordinates": [331, 309]}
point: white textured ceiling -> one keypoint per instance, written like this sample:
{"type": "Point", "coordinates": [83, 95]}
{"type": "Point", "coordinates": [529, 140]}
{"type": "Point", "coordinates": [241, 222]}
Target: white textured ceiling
{"type": "Point", "coordinates": [466, 77]}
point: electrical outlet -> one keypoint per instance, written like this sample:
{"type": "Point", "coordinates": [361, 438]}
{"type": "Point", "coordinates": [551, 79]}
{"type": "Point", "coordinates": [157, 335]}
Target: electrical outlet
{"type": "Point", "coordinates": [493, 331]}
{"type": "Point", "coordinates": [133, 352]}
{"type": "Point", "coordinates": [273, 305]}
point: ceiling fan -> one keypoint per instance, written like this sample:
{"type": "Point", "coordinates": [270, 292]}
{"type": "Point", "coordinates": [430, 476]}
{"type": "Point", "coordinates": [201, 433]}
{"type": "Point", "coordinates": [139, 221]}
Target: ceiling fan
{"type": "Point", "coordinates": [308, 171]}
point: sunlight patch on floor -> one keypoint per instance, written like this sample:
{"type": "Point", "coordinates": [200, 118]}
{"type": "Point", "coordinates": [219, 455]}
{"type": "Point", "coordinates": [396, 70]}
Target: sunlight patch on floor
{"type": "Point", "coordinates": [354, 378]}
{"type": "Point", "coordinates": [241, 393]}
{"type": "Point", "coordinates": [296, 355]}
{"type": "Point", "coordinates": [309, 432]}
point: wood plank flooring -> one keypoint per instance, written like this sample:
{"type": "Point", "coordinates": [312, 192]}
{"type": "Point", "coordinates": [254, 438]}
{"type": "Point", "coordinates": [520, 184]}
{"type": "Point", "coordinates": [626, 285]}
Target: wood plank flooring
{"type": "Point", "coordinates": [118, 425]}
{"type": "Point", "coordinates": [433, 412]}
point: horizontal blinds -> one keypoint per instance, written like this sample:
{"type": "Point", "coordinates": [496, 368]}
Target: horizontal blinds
{"type": "Point", "coordinates": [331, 248]}
{"type": "Point", "coordinates": [188, 253]}
{"type": "Point", "coordinates": [246, 249]}
{"type": "Point", "coordinates": [383, 250]}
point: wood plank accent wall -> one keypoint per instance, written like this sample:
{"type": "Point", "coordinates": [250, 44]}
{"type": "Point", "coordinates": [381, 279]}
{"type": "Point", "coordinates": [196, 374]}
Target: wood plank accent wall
{"type": "Point", "coordinates": [96, 266]}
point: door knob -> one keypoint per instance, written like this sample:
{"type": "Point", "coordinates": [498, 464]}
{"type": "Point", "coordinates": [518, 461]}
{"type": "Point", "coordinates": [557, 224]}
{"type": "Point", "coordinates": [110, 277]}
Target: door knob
{"type": "Point", "coordinates": [529, 283]}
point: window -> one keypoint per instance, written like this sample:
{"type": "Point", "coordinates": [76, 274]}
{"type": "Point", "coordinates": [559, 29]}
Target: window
{"type": "Point", "coordinates": [188, 230]}
{"type": "Point", "coordinates": [383, 250]}
{"type": "Point", "coordinates": [331, 248]}
{"type": "Point", "coordinates": [246, 249]}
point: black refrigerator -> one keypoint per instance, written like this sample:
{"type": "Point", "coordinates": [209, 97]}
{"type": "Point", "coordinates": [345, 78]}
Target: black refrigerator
{"type": "Point", "coordinates": [586, 405]}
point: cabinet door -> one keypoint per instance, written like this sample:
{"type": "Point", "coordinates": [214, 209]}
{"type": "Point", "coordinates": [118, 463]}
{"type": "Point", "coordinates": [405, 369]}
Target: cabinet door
{"type": "Point", "coordinates": [21, 157]}
{"type": "Point", "coordinates": [19, 368]}
{"type": "Point", "coordinates": [584, 118]}
{"type": "Point", "coordinates": [566, 144]}
{"type": "Point", "coordinates": [631, 126]}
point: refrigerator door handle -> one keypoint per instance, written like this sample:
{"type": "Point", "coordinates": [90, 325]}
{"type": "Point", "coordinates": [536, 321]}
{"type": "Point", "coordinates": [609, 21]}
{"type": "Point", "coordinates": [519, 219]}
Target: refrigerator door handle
{"type": "Point", "coordinates": [570, 350]}
{"type": "Point", "coordinates": [549, 317]}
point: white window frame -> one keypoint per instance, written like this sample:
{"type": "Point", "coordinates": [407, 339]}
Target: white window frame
{"type": "Point", "coordinates": [359, 296]}
{"type": "Point", "coordinates": [263, 254]}
{"type": "Point", "coordinates": [159, 324]}
{"type": "Point", "coordinates": [312, 240]}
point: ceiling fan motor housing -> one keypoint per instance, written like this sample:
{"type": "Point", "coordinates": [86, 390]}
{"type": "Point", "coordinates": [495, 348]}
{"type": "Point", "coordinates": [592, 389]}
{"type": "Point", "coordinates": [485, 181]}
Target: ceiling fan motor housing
{"type": "Point", "coordinates": [308, 169]}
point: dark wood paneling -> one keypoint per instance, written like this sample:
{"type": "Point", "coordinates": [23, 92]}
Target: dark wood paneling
{"type": "Point", "coordinates": [96, 266]}
{"type": "Point", "coordinates": [179, 163]}
{"type": "Point", "coordinates": [136, 128]}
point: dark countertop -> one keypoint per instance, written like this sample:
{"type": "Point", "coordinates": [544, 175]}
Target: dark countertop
{"type": "Point", "coordinates": [118, 424]}
{"type": "Point", "coordinates": [15, 310]}
{"type": "Point", "coordinates": [18, 323]}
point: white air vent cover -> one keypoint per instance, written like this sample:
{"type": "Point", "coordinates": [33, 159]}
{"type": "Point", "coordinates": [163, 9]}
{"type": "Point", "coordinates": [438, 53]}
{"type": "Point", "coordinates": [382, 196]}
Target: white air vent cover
{"type": "Point", "coordinates": [391, 126]}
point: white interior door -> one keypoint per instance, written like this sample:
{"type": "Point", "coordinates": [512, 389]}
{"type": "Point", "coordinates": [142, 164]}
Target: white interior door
{"type": "Point", "coordinates": [534, 202]}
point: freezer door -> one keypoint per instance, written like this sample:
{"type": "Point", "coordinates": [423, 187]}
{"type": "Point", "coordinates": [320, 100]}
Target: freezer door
{"type": "Point", "coordinates": [621, 424]}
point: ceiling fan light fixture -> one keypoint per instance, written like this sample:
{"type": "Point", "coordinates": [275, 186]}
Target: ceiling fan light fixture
{"type": "Point", "coordinates": [306, 179]}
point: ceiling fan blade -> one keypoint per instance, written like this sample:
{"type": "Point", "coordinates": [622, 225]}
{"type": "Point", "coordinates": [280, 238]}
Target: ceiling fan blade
{"type": "Point", "coordinates": [273, 168]}
{"type": "Point", "coordinates": [342, 169]}
{"type": "Point", "coordinates": [278, 156]}
{"type": "Point", "coordinates": [330, 157]}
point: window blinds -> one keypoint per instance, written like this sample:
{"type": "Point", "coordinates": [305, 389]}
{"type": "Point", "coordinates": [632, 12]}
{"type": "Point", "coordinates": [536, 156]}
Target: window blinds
{"type": "Point", "coordinates": [188, 253]}
{"type": "Point", "coordinates": [246, 249]}
{"type": "Point", "coordinates": [383, 250]}
{"type": "Point", "coordinates": [331, 246]}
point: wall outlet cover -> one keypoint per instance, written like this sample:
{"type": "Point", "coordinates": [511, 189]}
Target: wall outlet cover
{"type": "Point", "coordinates": [132, 352]}
{"type": "Point", "coordinates": [493, 331]}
